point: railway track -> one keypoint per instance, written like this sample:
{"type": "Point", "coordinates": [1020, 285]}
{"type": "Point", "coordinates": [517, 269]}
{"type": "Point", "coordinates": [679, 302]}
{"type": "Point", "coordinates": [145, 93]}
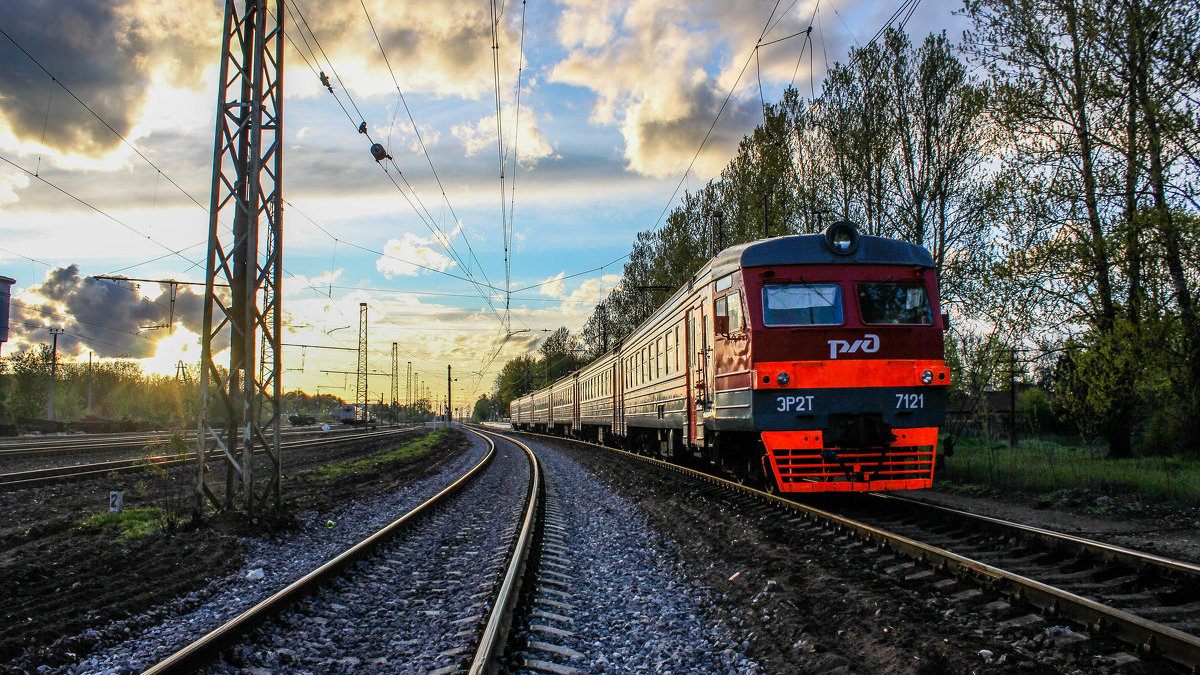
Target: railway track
{"type": "Point", "coordinates": [1147, 602]}
{"type": "Point", "coordinates": [433, 591]}
{"type": "Point", "coordinates": [56, 474]}
{"type": "Point", "coordinates": [90, 443]}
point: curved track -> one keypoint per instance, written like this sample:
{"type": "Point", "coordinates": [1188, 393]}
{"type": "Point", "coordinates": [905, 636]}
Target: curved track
{"type": "Point", "coordinates": [1146, 601]}
{"type": "Point", "coordinates": [362, 562]}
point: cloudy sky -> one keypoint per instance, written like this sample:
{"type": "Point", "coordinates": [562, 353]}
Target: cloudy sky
{"type": "Point", "coordinates": [106, 156]}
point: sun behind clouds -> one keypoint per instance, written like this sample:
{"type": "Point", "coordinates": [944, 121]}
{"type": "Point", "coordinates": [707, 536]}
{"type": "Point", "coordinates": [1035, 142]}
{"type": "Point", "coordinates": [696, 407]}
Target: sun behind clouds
{"type": "Point", "coordinates": [170, 349]}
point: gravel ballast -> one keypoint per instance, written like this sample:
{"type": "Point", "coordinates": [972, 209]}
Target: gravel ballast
{"type": "Point", "coordinates": [133, 644]}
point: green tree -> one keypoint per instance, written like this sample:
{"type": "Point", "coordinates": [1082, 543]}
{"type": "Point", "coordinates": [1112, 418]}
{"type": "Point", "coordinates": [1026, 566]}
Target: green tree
{"type": "Point", "coordinates": [482, 411]}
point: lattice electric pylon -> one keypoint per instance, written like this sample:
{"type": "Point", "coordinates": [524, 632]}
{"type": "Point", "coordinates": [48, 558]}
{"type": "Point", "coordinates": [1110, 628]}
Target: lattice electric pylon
{"type": "Point", "coordinates": [360, 395]}
{"type": "Point", "coordinates": [395, 375]}
{"type": "Point", "coordinates": [247, 185]}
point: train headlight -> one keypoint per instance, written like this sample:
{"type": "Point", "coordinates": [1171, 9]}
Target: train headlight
{"type": "Point", "coordinates": [842, 237]}
{"type": "Point", "coordinates": [783, 379]}
{"type": "Point", "coordinates": [927, 377]}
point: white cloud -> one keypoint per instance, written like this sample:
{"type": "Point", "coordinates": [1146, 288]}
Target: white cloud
{"type": "Point", "coordinates": [661, 71]}
{"type": "Point", "coordinates": [552, 287]}
{"type": "Point", "coordinates": [10, 182]}
{"type": "Point", "coordinates": [530, 145]}
{"type": "Point", "coordinates": [408, 255]}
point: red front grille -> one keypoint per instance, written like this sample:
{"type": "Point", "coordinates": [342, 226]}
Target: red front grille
{"type": "Point", "coordinates": [798, 464]}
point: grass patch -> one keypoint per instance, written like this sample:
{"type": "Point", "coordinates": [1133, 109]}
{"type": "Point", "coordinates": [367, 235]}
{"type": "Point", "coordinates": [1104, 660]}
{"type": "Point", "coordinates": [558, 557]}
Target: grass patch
{"type": "Point", "coordinates": [400, 453]}
{"type": "Point", "coordinates": [1048, 466]}
{"type": "Point", "coordinates": [128, 524]}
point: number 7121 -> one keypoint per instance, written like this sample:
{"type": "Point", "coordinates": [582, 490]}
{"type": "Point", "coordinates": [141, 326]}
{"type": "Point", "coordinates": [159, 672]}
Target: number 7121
{"type": "Point", "coordinates": [910, 401]}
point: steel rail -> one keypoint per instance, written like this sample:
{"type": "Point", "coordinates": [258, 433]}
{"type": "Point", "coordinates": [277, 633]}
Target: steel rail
{"type": "Point", "coordinates": [62, 445]}
{"type": "Point", "coordinates": [491, 645]}
{"type": "Point", "coordinates": [1102, 550]}
{"type": "Point", "coordinates": [206, 648]}
{"type": "Point", "coordinates": [34, 477]}
{"type": "Point", "coordinates": [1145, 635]}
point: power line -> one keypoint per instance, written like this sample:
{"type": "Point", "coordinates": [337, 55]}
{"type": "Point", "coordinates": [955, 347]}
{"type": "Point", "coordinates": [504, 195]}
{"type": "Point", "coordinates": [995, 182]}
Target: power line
{"type": "Point", "coordinates": [100, 119]}
{"type": "Point", "coordinates": [417, 206]}
{"type": "Point", "coordinates": [102, 212]}
{"type": "Point", "coordinates": [381, 254]}
{"type": "Point", "coordinates": [712, 126]}
{"type": "Point", "coordinates": [510, 225]}
{"type": "Point", "coordinates": [420, 140]}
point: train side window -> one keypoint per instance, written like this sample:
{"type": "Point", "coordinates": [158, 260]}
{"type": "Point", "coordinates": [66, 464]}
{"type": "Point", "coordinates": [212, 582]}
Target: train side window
{"type": "Point", "coordinates": [802, 305]}
{"type": "Point", "coordinates": [735, 312]}
{"type": "Point", "coordinates": [658, 357]}
{"type": "Point", "coordinates": [723, 283]}
{"type": "Point", "coordinates": [721, 316]}
{"type": "Point", "coordinates": [894, 303]}
{"type": "Point", "coordinates": [655, 359]}
{"type": "Point", "coordinates": [678, 348]}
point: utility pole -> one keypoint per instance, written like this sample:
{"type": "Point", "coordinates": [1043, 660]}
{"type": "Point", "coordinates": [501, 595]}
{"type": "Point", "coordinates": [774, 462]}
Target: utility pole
{"type": "Point", "coordinates": [1012, 401]}
{"type": "Point", "coordinates": [247, 184]}
{"type": "Point", "coordinates": [55, 332]}
{"type": "Point", "coordinates": [448, 408]}
{"type": "Point", "coordinates": [5, 284]}
{"type": "Point", "coordinates": [360, 395]}
{"type": "Point", "coordinates": [603, 327]}
{"type": "Point", "coordinates": [89, 409]}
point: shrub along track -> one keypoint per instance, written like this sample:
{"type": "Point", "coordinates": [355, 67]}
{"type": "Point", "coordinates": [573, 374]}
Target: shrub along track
{"type": "Point", "coordinates": [60, 579]}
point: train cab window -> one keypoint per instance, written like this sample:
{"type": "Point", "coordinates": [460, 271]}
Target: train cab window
{"type": "Point", "coordinates": [894, 303]}
{"type": "Point", "coordinates": [802, 305]}
{"type": "Point", "coordinates": [727, 314]}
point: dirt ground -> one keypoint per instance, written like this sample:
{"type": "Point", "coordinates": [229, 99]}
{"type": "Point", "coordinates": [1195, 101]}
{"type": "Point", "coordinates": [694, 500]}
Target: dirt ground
{"type": "Point", "coordinates": [57, 579]}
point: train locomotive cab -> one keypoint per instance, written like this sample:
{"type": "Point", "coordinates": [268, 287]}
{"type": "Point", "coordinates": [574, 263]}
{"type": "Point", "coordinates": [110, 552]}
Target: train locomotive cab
{"type": "Point", "coordinates": [847, 377]}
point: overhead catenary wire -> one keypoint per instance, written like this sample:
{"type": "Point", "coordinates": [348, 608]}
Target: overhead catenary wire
{"type": "Point", "coordinates": [420, 139]}
{"type": "Point", "coordinates": [510, 226]}
{"type": "Point", "coordinates": [80, 200]}
{"type": "Point", "coordinates": [360, 125]}
{"type": "Point", "coordinates": [100, 119]}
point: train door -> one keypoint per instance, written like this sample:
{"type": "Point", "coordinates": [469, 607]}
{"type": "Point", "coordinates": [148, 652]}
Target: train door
{"type": "Point", "coordinates": [697, 373]}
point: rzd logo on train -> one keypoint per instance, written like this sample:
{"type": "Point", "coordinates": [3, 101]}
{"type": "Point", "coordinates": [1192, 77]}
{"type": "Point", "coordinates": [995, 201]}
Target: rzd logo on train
{"type": "Point", "coordinates": [869, 344]}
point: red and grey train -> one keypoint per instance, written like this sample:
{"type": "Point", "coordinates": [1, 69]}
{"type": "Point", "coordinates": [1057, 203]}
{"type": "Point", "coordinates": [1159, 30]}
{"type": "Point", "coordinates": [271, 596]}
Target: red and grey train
{"type": "Point", "coordinates": [813, 363]}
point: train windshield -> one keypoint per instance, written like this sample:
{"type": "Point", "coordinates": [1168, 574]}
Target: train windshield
{"type": "Point", "coordinates": [894, 303]}
{"type": "Point", "coordinates": [802, 305]}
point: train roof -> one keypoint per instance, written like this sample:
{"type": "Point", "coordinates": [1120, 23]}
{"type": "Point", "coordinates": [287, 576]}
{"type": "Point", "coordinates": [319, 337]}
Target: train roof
{"type": "Point", "coordinates": [810, 249]}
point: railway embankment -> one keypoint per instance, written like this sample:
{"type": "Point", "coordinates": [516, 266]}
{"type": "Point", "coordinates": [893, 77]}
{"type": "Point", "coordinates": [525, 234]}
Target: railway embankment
{"type": "Point", "coordinates": [1149, 502]}
{"type": "Point", "coordinates": [73, 582]}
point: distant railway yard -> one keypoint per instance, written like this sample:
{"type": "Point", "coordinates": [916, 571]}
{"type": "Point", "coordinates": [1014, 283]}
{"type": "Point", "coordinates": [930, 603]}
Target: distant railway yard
{"type": "Point", "coordinates": [475, 550]}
